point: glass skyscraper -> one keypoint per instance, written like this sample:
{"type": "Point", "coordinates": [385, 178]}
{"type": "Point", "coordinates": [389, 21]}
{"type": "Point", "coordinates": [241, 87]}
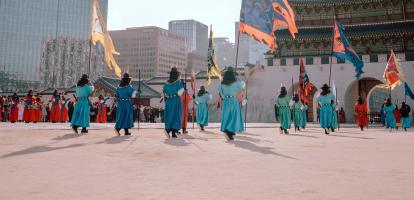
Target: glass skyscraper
{"type": "Point", "coordinates": [24, 27]}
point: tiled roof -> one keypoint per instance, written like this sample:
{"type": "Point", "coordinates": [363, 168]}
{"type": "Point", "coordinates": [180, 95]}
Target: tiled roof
{"type": "Point", "coordinates": [113, 83]}
{"type": "Point", "coordinates": [398, 28]}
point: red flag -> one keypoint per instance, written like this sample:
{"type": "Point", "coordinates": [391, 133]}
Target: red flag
{"type": "Point", "coordinates": [392, 74]}
{"type": "Point", "coordinates": [304, 83]}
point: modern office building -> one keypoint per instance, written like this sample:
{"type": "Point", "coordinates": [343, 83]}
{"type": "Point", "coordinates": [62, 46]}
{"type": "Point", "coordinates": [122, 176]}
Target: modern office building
{"type": "Point", "coordinates": [196, 34]}
{"type": "Point", "coordinates": [250, 50]}
{"type": "Point", "coordinates": [151, 49]}
{"type": "Point", "coordinates": [225, 52]}
{"type": "Point", "coordinates": [25, 25]}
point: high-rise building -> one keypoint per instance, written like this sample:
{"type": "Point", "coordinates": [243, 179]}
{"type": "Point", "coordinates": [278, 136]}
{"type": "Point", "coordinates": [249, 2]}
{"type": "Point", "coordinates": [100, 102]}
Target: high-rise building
{"type": "Point", "coordinates": [196, 34]}
{"type": "Point", "coordinates": [225, 52]}
{"type": "Point", "coordinates": [25, 25]}
{"type": "Point", "coordinates": [151, 49]}
{"type": "Point", "coordinates": [250, 50]}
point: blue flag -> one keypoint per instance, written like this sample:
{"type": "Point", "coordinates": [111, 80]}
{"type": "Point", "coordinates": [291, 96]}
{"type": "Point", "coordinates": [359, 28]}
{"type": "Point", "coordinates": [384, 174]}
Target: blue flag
{"type": "Point", "coordinates": [408, 91]}
{"type": "Point", "coordinates": [342, 49]}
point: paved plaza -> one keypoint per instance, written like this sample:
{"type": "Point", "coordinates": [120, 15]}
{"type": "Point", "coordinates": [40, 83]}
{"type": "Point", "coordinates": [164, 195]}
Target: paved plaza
{"type": "Point", "coordinates": [46, 161]}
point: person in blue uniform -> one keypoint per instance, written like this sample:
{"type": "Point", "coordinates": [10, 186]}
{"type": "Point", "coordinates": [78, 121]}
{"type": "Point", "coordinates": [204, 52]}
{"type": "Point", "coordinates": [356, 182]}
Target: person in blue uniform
{"type": "Point", "coordinates": [125, 110]}
{"type": "Point", "coordinates": [231, 96]}
{"type": "Point", "coordinates": [405, 115]}
{"type": "Point", "coordinates": [304, 119]}
{"type": "Point", "coordinates": [389, 108]}
{"type": "Point", "coordinates": [172, 90]}
{"type": "Point", "coordinates": [202, 99]}
{"type": "Point", "coordinates": [81, 112]}
{"type": "Point", "coordinates": [283, 104]}
{"type": "Point", "coordinates": [297, 112]}
{"type": "Point", "coordinates": [325, 108]}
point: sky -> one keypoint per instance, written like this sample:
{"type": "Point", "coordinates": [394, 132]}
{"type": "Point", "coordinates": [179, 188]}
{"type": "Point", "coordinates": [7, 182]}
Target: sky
{"type": "Point", "coordinates": [134, 13]}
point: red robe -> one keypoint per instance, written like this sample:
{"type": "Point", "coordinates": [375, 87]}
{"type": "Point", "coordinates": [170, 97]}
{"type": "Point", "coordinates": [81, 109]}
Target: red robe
{"type": "Point", "coordinates": [38, 113]}
{"type": "Point", "coordinates": [101, 117]}
{"type": "Point", "coordinates": [55, 110]}
{"type": "Point", "coordinates": [361, 113]}
{"type": "Point", "coordinates": [29, 111]}
{"type": "Point", "coordinates": [397, 116]}
{"type": "Point", "coordinates": [34, 111]}
{"type": "Point", "coordinates": [14, 110]}
{"type": "Point", "coordinates": [185, 102]}
{"type": "Point", "coordinates": [64, 117]}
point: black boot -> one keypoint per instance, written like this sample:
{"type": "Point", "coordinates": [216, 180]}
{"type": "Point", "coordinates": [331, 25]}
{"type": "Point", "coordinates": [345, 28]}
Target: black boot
{"type": "Point", "coordinates": [127, 133]}
{"type": "Point", "coordinates": [231, 136]}
{"type": "Point", "coordinates": [167, 133]}
{"type": "Point", "coordinates": [117, 132]}
{"type": "Point", "coordinates": [362, 128]}
{"type": "Point", "coordinates": [84, 130]}
{"type": "Point", "coordinates": [326, 131]}
{"type": "Point", "coordinates": [185, 131]}
{"type": "Point", "coordinates": [202, 127]}
{"type": "Point", "coordinates": [286, 131]}
{"type": "Point", "coordinates": [405, 129]}
{"type": "Point", "coordinates": [332, 130]}
{"type": "Point", "coordinates": [174, 135]}
{"type": "Point", "coordinates": [75, 129]}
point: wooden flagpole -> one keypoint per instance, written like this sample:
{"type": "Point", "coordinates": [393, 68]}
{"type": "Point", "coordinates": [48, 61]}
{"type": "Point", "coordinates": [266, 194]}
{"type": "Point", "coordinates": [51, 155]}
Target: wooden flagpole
{"type": "Point", "coordinates": [139, 97]}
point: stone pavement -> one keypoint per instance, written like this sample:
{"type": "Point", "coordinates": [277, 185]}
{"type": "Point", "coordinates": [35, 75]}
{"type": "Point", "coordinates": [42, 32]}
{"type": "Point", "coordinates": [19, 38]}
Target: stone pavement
{"type": "Point", "coordinates": [46, 161]}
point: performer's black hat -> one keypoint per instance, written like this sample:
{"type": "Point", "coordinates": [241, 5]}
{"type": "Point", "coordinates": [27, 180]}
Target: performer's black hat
{"type": "Point", "coordinates": [85, 76]}
{"type": "Point", "coordinates": [325, 86]}
{"type": "Point", "coordinates": [126, 76]}
{"type": "Point", "coordinates": [283, 88]}
{"type": "Point", "coordinates": [203, 88]}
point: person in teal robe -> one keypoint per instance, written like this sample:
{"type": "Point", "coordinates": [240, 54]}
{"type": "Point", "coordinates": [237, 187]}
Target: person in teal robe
{"type": "Point", "coordinates": [297, 112]}
{"type": "Point", "coordinates": [304, 119]}
{"type": "Point", "coordinates": [81, 112]}
{"type": "Point", "coordinates": [390, 121]}
{"type": "Point", "coordinates": [172, 90]}
{"type": "Point", "coordinates": [325, 108]}
{"type": "Point", "coordinates": [283, 103]}
{"type": "Point", "coordinates": [202, 99]}
{"type": "Point", "coordinates": [231, 95]}
{"type": "Point", "coordinates": [405, 114]}
{"type": "Point", "coordinates": [334, 117]}
{"type": "Point", "coordinates": [125, 110]}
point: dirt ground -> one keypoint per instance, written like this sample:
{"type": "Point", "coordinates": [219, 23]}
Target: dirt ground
{"type": "Point", "coordinates": [46, 161]}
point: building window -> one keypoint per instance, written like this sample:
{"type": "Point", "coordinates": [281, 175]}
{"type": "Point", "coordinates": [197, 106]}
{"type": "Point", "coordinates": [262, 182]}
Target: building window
{"type": "Point", "coordinates": [309, 60]}
{"type": "Point", "coordinates": [340, 61]}
{"type": "Point", "coordinates": [373, 58]}
{"type": "Point", "coordinates": [270, 62]}
{"type": "Point", "coordinates": [283, 62]}
{"type": "Point", "coordinates": [296, 61]}
{"type": "Point", "coordinates": [324, 60]}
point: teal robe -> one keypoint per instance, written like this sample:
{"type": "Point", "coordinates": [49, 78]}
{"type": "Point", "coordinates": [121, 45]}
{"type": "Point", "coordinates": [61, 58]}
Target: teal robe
{"type": "Point", "coordinates": [390, 121]}
{"type": "Point", "coordinates": [232, 118]}
{"type": "Point", "coordinates": [202, 109]}
{"type": "Point", "coordinates": [326, 111]}
{"type": "Point", "coordinates": [304, 119]}
{"type": "Point", "coordinates": [297, 114]}
{"type": "Point", "coordinates": [284, 114]}
{"type": "Point", "coordinates": [81, 112]}
{"type": "Point", "coordinates": [173, 107]}
{"type": "Point", "coordinates": [125, 109]}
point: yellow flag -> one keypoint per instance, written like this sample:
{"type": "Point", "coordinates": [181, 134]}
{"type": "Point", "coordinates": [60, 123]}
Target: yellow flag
{"type": "Point", "coordinates": [212, 69]}
{"type": "Point", "coordinates": [100, 34]}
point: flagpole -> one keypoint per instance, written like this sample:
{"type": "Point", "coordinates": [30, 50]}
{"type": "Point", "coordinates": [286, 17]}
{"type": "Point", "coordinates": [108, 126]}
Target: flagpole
{"type": "Point", "coordinates": [139, 97]}
{"type": "Point", "coordinates": [332, 49]}
{"type": "Point", "coordinates": [337, 112]}
{"type": "Point", "coordinates": [90, 40]}
{"type": "Point", "coordinates": [194, 93]}
{"type": "Point", "coordinates": [56, 41]}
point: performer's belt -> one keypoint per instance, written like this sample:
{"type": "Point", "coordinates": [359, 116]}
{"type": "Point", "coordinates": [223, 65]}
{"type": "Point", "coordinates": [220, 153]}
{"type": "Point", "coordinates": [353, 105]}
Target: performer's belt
{"type": "Point", "coordinates": [172, 96]}
{"type": "Point", "coordinates": [228, 97]}
{"type": "Point", "coordinates": [284, 106]}
{"type": "Point", "coordinates": [83, 98]}
{"type": "Point", "coordinates": [125, 99]}
{"type": "Point", "coordinates": [326, 104]}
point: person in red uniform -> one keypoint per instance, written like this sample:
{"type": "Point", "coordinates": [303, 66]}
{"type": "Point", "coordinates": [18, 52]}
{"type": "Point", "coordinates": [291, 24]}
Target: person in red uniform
{"type": "Point", "coordinates": [64, 117]}
{"type": "Point", "coordinates": [101, 115]}
{"type": "Point", "coordinates": [361, 113]}
{"type": "Point", "coordinates": [397, 116]}
{"type": "Point", "coordinates": [38, 112]}
{"type": "Point", "coordinates": [28, 107]}
{"type": "Point", "coordinates": [55, 107]}
{"type": "Point", "coordinates": [14, 110]}
{"type": "Point", "coordinates": [185, 102]}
